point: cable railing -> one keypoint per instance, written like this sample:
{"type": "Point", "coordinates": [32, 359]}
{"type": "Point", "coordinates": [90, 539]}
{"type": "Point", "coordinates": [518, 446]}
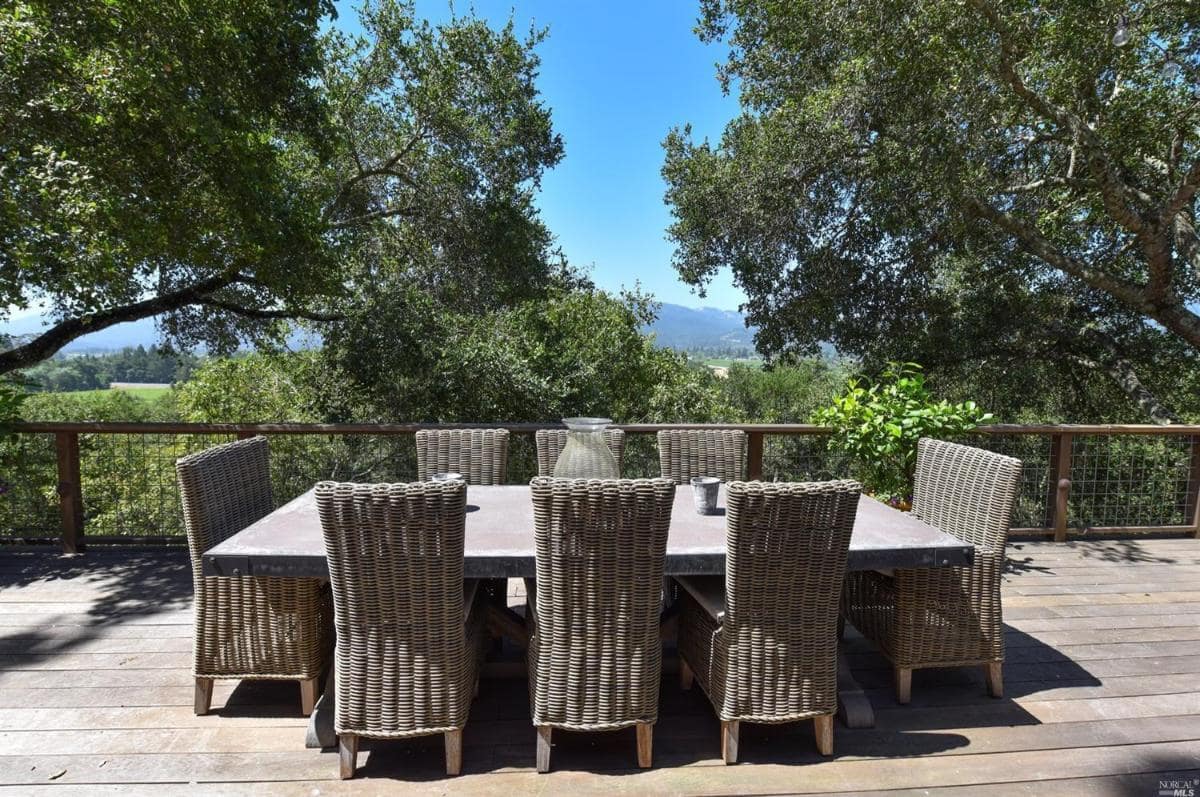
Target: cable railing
{"type": "Point", "coordinates": [114, 483]}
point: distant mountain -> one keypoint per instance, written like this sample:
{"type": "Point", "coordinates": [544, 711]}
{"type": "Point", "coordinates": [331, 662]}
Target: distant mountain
{"type": "Point", "coordinates": [131, 334]}
{"type": "Point", "coordinates": [677, 327]}
{"type": "Point", "coordinates": [114, 338]}
{"type": "Point", "coordinates": [690, 328]}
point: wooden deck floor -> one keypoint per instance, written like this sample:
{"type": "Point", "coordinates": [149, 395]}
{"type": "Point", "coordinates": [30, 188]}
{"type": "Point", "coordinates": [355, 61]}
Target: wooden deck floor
{"type": "Point", "coordinates": [1103, 697]}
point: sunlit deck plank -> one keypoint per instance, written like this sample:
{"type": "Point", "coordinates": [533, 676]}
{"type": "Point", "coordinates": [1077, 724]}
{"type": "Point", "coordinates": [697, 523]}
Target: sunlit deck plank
{"type": "Point", "coordinates": [1103, 684]}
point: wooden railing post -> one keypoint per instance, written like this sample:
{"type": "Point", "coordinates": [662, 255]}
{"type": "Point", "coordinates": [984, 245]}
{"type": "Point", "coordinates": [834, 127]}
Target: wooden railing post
{"type": "Point", "coordinates": [1059, 488]}
{"type": "Point", "coordinates": [1192, 507]}
{"type": "Point", "coordinates": [70, 493]}
{"type": "Point", "coordinates": [754, 455]}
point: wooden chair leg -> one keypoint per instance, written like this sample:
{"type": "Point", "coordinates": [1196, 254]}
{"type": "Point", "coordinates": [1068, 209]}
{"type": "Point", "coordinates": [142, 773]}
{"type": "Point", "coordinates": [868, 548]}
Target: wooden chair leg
{"type": "Point", "coordinates": [347, 755]}
{"type": "Point", "coordinates": [645, 744]}
{"type": "Point", "coordinates": [903, 685]}
{"type": "Point", "coordinates": [729, 741]}
{"type": "Point", "coordinates": [309, 689]}
{"type": "Point", "coordinates": [453, 751]}
{"type": "Point", "coordinates": [995, 678]}
{"type": "Point", "coordinates": [686, 676]}
{"type": "Point", "coordinates": [823, 729]}
{"type": "Point", "coordinates": [543, 747]}
{"type": "Point", "coordinates": [204, 687]}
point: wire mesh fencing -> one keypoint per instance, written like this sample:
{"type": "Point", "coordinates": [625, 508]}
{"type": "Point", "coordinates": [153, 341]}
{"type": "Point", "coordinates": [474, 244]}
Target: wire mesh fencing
{"type": "Point", "coordinates": [1131, 482]}
{"type": "Point", "coordinates": [1118, 480]}
{"type": "Point", "coordinates": [28, 485]}
{"type": "Point", "coordinates": [1034, 499]}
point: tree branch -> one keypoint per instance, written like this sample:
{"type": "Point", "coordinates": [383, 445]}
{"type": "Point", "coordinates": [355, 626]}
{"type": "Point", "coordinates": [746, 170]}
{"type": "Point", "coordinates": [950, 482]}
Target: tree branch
{"type": "Point", "coordinates": [1113, 191]}
{"type": "Point", "coordinates": [1182, 195]}
{"type": "Point", "coordinates": [374, 215]}
{"type": "Point", "coordinates": [1164, 308]}
{"type": "Point", "coordinates": [1122, 372]}
{"type": "Point", "coordinates": [1057, 182]}
{"type": "Point", "coordinates": [268, 315]}
{"type": "Point", "coordinates": [1032, 241]}
{"type": "Point", "coordinates": [62, 333]}
{"type": "Point", "coordinates": [385, 169]}
{"type": "Point", "coordinates": [1187, 243]}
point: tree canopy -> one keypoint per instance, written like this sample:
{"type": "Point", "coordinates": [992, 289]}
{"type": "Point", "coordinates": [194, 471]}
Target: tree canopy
{"type": "Point", "coordinates": [568, 352]}
{"type": "Point", "coordinates": [144, 162]}
{"type": "Point", "coordinates": [442, 142]}
{"type": "Point", "coordinates": [225, 166]}
{"type": "Point", "coordinates": [986, 186]}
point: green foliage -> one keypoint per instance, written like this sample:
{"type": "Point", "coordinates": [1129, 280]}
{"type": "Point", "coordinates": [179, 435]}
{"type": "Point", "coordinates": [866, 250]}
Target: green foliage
{"type": "Point", "coordinates": [224, 167]}
{"type": "Point", "coordinates": [988, 188]}
{"type": "Point", "coordinates": [12, 398]}
{"type": "Point", "coordinates": [146, 147]}
{"type": "Point", "coordinates": [257, 388]}
{"type": "Point", "coordinates": [442, 139]}
{"type": "Point", "coordinates": [878, 426]}
{"type": "Point", "coordinates": [572, 352]}
{"type": "Point", "coordinates": [100, 405]}
{"type": "Point", "coordinates": [95, 372]}
{"type": "Point", "coordinates": [784, 393]}
{"type": "Point", "coordinates": [124, 477]}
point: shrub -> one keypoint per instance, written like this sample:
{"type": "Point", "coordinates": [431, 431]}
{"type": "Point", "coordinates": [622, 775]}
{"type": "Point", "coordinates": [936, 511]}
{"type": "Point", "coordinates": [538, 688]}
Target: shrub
{"type": "Point", "coordinates": [878, 427]}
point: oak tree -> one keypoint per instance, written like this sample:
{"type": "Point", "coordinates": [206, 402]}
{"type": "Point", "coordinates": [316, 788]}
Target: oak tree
{"type": "Point", "coordinates": [989, 181]}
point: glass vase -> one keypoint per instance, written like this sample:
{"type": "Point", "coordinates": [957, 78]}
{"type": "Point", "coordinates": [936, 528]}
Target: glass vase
{"type": "Point", "coordinates": [586, 454]}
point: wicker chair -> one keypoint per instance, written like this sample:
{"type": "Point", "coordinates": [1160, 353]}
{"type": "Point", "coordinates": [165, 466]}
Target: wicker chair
{"type": "Point", "coordinates": [248, 626]}
{"type": "Point", "coordinates": [595, 658]}
{"type": "Point", "coordinates": [409, 629]}
{"type": "Point", "coordinates": [686, 453]}
{"type": "Point", "coordinates": [480, 455]}
{"type": "Point", "coordinates": [551, 442]}
{"type": "Point", "coordinates": [945, 616]}
{"type": "Point", "coordinates": [762, 641]}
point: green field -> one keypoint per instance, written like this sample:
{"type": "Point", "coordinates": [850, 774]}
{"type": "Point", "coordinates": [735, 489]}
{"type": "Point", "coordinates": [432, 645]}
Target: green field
{"type": "Point", "coordinates": [147, 394]}
{"type": "Point", "coordinates": [725, 362]}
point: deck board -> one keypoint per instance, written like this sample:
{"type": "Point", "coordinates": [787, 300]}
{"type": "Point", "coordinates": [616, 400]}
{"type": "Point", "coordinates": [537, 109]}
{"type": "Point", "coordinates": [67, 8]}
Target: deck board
{"type": "Point", "coordinates": [1102, 683]}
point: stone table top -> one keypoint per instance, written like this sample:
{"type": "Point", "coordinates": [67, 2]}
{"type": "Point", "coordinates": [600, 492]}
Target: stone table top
{"type": "Point", "coordinates": [499, 539]}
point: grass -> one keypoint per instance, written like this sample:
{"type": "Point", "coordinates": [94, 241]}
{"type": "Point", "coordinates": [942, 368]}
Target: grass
{"type": "Point", "coordinates": [147, 394]}
{"type": "Point", "coordinates": [725, 362]}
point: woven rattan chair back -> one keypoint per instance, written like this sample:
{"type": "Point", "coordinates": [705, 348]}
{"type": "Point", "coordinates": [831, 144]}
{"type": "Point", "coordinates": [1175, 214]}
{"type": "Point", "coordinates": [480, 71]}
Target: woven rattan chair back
{"type": "Point", "coordinates": [223, 489]}
{"type": "Point", "coordinates": [945, 616]}
{"type": "Point", "coordinates": [551, 442]}
{"type": "Point", "coordinates": [395, 554]}
{"type": "Point", "coordinates": [965, 491]}
{"type": "Point", "coordinates": [595, 654]}
{"type": "Point", "coordinates": [684, 454]}
{"type": "Point", "coordinates": [247, 626]}
{"type": "Point", "coordinates": [787, 549]}
{"type": "Point", "coordinates": [480, 455]}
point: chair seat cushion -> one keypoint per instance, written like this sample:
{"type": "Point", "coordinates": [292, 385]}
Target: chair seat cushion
{"type": "Point", "coordinates": [708, 591]}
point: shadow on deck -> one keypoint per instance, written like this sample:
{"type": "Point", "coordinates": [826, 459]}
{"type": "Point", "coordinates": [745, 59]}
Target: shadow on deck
{"type": "Point", "coordinates": [1102, 693]}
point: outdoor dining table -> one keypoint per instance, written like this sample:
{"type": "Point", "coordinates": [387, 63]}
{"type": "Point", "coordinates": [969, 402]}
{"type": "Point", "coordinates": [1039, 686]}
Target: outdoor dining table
{"type": "Point", "coordinates": [499, 543]}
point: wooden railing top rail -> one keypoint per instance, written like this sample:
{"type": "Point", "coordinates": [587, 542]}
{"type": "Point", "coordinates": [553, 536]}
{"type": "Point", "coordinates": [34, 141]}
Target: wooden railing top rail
{"type": "Point", "coordinates": [125, 427]}
{"type": "Point", "coordinates": [1057, 489]}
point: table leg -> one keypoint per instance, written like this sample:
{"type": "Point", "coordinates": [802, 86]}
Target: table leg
{"type": "Point", "coordinates": [320, 731]}
{"type": "Point", "coordinates": [504, 622]}
{"type": "Point", "coordinates": [854, 708]}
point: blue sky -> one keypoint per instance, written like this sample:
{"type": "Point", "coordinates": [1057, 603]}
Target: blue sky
{"type": "Point", "coordinates": [617, 76]}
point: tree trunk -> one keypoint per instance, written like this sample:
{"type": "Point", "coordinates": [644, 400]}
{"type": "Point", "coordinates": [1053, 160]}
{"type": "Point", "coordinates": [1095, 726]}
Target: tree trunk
{"type": "Point", "coordinates": [1122, 372]}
